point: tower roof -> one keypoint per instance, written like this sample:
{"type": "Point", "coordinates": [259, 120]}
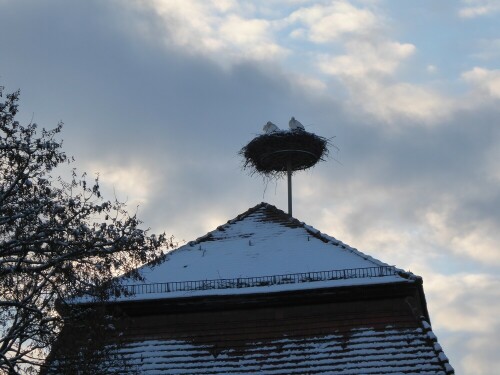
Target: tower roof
{"type": "Point", "coordinates": [262, 250]}
{"type": "Point", "coordinates": [357, 315]}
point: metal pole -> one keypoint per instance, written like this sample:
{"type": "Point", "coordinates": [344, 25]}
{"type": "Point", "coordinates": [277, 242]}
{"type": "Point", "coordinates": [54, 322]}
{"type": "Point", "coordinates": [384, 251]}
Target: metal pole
{"type": "Point", "coordinates": [289, 175]}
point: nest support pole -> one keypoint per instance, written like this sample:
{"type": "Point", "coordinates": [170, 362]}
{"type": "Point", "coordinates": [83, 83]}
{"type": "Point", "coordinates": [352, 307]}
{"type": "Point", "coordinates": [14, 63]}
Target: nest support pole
{"type": "Point", "coordinates": [289, 175]}
{"type": "Point", "coordinates": [279, 152]}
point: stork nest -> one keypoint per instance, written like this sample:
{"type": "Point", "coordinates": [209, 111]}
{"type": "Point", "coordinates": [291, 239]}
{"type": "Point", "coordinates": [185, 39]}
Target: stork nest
{"type": "Point", "coordinates": [272, 154]}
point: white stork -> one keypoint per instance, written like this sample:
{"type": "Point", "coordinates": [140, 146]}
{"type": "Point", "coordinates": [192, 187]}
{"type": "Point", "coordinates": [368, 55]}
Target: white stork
{"type": "Point", "coordinates": [270, 127]}
{"type": "Point", "coordinates": [295, 125]}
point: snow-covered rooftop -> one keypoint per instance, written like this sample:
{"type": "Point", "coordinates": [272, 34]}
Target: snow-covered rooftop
{"type": "Point", "coordinates": [265, 251]}
{"type": "Point", "coordinates": [261, 250]}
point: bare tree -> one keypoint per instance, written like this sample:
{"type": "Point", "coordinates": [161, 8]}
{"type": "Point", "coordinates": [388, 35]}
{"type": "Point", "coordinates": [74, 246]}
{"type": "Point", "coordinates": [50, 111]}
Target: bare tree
{"type": "Point", "coordinates": [57, 239]}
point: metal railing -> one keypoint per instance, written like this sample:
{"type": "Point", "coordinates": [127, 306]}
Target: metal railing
{"type": "Point", "coordinates": [249, 282]}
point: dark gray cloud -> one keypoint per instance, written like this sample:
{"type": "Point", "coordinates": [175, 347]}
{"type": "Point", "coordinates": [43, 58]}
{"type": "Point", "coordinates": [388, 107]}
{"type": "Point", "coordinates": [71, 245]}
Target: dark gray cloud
{"type": "Point", "coordinates": [126, 100]}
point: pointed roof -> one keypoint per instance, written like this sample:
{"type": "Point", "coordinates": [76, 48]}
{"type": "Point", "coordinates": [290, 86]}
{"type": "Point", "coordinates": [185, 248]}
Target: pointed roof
{"type": "Point", "coordinates": [263, 247]}
{"type": "Point", "coordinates": [357, 316]}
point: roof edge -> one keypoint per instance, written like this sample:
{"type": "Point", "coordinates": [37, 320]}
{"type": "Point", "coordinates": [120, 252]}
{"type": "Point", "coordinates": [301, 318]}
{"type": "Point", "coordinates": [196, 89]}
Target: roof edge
{"type": "Point", "coordinates": [432, 338]}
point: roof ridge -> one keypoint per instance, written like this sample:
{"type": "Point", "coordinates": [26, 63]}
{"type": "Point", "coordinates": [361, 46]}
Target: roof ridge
{"type": "Point", "coordinates": [239, 217]}
{"type": "Point", "coordinates": [294, 221]}
{"type": "Point", "coordinates": [250, 211]}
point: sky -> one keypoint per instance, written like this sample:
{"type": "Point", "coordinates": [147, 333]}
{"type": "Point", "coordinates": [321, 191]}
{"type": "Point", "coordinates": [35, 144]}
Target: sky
{"type": "Point", "coordinates": [158, 97]}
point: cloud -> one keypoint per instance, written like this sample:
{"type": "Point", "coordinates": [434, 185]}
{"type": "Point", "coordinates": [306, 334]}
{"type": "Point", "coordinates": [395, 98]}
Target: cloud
{"type": "Point", "coordinates": [133, 184]}
{"type": "Point", "coordinates": [395, 103]}
{"type": "Point", "coordinates": [233, 33]}
{"type": "Point", "coordinates": [477, 8]}
{"type": "Point", "coordinates": [224, 31]}
{"type": "Point", "coordinates": [475, 239]}
{"type": "Point", "coordinates": [366, 58]}
{"type": "Point", "coordinates": [400, 104]}
{"type": "Point", "coordinates": [465, 308]}
{"type": "Point", "coordinates": [465, 227]}
{"type": "Point", "coordinates": [327, 22]}
{"type": "Point", "coordinates": [251, 38]}
{"type": "Point", "coordinates": [481, 353]}
{"type": "Point", "coordinates": [482, 293]}
{"type": "Point", "coordinates": [486, 82]}
{"type": "Point", "coordinates": [368, 72]}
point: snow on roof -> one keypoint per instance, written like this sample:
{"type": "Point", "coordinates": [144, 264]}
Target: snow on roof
{"type": "Point", "coordinates": [366, 351]}
{"type": "Point", "coordinates": [323, 340]}
{"type": "Point", "coordinates": [260, 243]}
{"type": "Point", "coordinates": [391, 351]}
